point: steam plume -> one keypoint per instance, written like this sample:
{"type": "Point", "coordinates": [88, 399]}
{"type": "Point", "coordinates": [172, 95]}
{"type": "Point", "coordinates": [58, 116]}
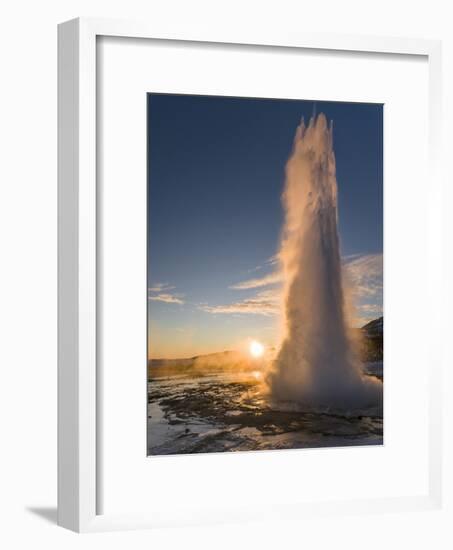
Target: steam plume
{"type": "Point", "coordinates": [316, 364]}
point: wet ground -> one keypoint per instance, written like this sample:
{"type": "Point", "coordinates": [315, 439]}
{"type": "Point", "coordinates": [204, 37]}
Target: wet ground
{"type": "Point", "coordinates": [228, 411]}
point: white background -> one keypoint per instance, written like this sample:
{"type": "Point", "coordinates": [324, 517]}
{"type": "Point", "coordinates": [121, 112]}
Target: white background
{"type": "Point", "coordinates": [28, 289]}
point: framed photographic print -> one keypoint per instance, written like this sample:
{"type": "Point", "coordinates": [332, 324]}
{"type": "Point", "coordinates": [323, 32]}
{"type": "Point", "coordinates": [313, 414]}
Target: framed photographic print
{"type": "Point", "coordinates": [252, 339]}
{"type": "Point", "coordinates": [236, 216]}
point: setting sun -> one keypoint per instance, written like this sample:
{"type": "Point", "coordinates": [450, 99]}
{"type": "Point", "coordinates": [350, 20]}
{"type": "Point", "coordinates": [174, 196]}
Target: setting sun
{"type": "Point", "coordinates": [256, 349]}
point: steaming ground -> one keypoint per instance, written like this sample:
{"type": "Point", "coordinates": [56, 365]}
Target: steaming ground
{"type": "Point", "coordinates": [201, 410]}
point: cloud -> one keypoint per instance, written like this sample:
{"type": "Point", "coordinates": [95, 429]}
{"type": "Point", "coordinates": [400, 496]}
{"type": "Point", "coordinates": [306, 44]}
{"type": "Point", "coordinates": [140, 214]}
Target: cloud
{"type": "Point", "coordinates": [167, 298]}
{"type": "Point", "coordinates": [260, 281]}
{"type": "Point", "coordinates": [268, 279]}
{"type": "Point", "coordinates": [253, 269]}
{"type": "Point", "coordinates": [374, 309]}
{"type": "Point", "coordinates": [162, 294]}
{"type": "Point", "coordinates": [265, 302]}
{"type": "Point", "coordinates": [273, 260]}
{"type": "Point", "coordinates": [364, 275]}
{"type": "Point", "coordinates": [364, 278]}
{"type": "Point", "coordinates": [160, 287]}
{"type": "Point", "coordinates": [363, 272]}
{"type": "Point", "coordinates": [366, 312]}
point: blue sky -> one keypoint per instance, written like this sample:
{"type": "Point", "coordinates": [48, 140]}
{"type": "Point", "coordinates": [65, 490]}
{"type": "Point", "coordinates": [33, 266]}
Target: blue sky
{"type": "Point", "coordinates": [215, 176]}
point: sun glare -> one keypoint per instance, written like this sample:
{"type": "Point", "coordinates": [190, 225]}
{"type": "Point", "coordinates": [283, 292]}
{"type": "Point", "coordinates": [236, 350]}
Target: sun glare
{"type": "Point", "coordinates": [256, 349]}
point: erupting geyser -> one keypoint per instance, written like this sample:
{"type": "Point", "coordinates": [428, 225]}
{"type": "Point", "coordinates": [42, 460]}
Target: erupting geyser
{"type": "Point", "coordinates": [317, 365]}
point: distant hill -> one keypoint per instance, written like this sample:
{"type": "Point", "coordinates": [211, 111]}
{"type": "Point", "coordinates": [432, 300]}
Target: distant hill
{"type": "Point", "coordinates": [210, 359]}
{"type": "Point", "coordinates": [372, 345]}
{"type": "Point", "coordinates": [371, 349]}
{"type": "Point", "coordinates": [224, 360]}
{"type": "Point", "coordinates": [375, 327]}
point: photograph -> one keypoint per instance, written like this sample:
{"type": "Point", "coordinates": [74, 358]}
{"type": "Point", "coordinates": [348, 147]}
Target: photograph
{"type": "Point", "coordinates": [264, 274]}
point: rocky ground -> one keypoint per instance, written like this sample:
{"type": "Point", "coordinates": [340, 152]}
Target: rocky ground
{"type": "Point", "coordinates": [228, 411]}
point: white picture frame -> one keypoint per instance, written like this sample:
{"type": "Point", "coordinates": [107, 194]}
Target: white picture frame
{"type": "Point", "coordinates": [78, 386]}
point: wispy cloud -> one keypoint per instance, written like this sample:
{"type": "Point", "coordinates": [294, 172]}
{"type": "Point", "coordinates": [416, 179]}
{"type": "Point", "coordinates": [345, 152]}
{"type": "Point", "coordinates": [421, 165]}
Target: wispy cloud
{"type": "Point", "coordinates": [373, 309]}
{"type": "Point", "coordinates": [254, 269]}
{"type": "Point", "coordinates": [160, 292]}
{"type": "Point", "coordinates": [160, 287]}
{"type": "Point", "coordinates": [273, 260]}
{"type": "Point", "coordinates": [265, 280]}
{"type": "Point", "coordinates": [364, 275]}
{"type": "Point", "coordinates": [365, 313]}
{"type": "Point", "coordinates": [364, 278]}
{"type": "Point", "coordinates": [265, 302]}
{"type": "Point", "coordinates": [269, 279]}
{"type": "Point", "coordinates": [362, 272]}
{"type": "Point", "coordinates": [269, 262]}
{"type": "Point", "coordinates": [167, 298]}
